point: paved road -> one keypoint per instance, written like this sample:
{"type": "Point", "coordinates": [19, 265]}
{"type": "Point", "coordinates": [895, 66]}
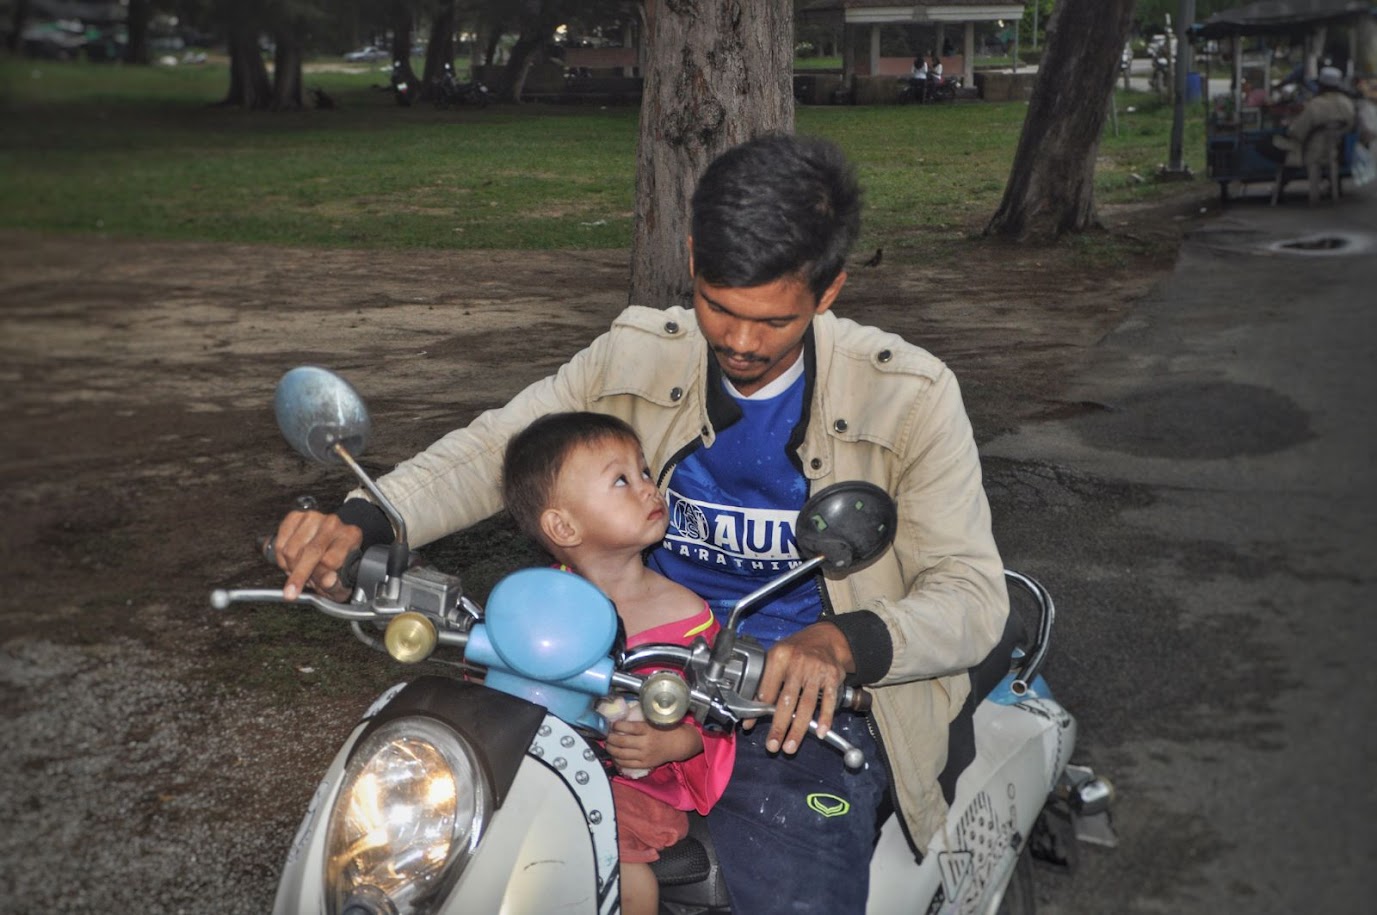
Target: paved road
{"type": "Point", "coordinates": [1204, 514]}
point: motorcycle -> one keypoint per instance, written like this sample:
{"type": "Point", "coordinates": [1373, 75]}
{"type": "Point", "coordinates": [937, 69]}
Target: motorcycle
{"type": "Point", "coordinates": [448, 90]}
{"type": "Point", "coordinates": [403, 91]}
{"type": "Point", "coordinates": [932, 89]}
{"type": "Point", "coordinates": [1161, 75]}
{"type": "Point", "coordinates": [490, 792]}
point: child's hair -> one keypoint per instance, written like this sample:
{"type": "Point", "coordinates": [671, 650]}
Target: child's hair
{"type": "Point", "coordinates": [536, 455]}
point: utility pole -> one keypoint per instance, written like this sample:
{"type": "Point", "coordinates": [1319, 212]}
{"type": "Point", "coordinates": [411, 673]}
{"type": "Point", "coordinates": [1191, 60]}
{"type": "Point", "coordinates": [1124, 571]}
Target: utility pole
{"type": "Point", "coordinates": [1176, 167]}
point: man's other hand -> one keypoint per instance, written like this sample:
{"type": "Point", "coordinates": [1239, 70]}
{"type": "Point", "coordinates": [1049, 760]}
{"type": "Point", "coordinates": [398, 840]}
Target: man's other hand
{"type": "Point", "coordinates": [311, 548]}
{"type": "Point", "coordinates": [803, 675]}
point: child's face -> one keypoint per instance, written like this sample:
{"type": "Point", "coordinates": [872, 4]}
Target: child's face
{"type": "Point", "coordinates": [607, 489]}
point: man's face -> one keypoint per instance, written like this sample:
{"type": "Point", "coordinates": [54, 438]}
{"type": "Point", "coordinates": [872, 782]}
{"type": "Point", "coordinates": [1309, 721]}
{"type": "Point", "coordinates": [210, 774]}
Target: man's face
{"type": "Point", "coordinates": [756, 332]}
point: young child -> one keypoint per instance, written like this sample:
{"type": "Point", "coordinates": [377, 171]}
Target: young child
{"type": "Point", "coordinates": [578, 484]}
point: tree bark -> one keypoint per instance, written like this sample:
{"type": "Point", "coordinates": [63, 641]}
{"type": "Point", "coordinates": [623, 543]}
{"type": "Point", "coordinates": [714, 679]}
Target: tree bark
{"type": "Point", "coordinates": [440, 48]}
{"type": "Point", "coordinates": [1051, 189]}
{"type": "Point", "coordinates": [287, 67]}
{"type": "Point", "coordinates": [136, 21]}
{"type": "Point", "coordinates": [525, 54]}
{"type": "Point", "coordinates": [402, 25]}
{"type": "Point", "coordinates": [249, 86]}
{"type": "Point", "coordinates": [718, 73]}
{"type": "Point", "coordinates": [20, 16]}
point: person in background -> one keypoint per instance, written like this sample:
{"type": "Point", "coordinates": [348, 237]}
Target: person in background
{"type": "Point", "coordinates": [918, 76]}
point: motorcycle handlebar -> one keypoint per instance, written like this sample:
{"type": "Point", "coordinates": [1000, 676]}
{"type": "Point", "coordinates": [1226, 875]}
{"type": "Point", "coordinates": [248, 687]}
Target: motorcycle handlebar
{"type": "Point", "coordinates": [348, 573]}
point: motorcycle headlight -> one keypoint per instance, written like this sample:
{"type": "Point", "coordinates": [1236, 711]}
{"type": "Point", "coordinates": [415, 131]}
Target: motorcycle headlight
{"type": "Point", "coordinates": [410, 811]}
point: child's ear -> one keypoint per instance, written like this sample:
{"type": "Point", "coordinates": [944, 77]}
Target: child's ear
{"type": "Point", "coordinates": [559, 529]}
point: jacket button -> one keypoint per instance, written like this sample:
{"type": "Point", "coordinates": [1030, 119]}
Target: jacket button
{"type": "Point", "coordinates": [705, 432]}
{"type": "Point", "coordinates": [671, 327]}
{"type": "Point", "coordinates": [815, 463]}
{"type": "Point", "coordinates": [885, 355]}
{"type": "Point", "coordinates": [676, 394]}
{"type": "Point", "coordinates": [839, 425]}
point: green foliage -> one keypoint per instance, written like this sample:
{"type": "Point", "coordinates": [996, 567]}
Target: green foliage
{"type": "Point", "coordinates": [140, 151]}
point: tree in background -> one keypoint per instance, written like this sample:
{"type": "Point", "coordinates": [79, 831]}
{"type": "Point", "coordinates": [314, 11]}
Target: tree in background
{"type": "Point", "coordinates": [1035, 16]}
{"type": "Point", "coordinates": [1051, 188]}
{"type": "Point", "coordinates": [440, 46]}
{"type": "Point", "coordinates": [137, 16]}
{"type": "Point", "coordinates": [242, 21]}
{"type": "Point", "coordinates": [402, 21]}
{"type": "Point", "coordinates": [289, 23]}
{"type": "Point", "coordinates": [717, 74]}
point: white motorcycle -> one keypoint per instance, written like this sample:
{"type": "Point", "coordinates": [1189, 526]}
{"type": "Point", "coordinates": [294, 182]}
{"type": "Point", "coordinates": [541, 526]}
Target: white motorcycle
{"type": "Point", "coordinates": [488, 792]}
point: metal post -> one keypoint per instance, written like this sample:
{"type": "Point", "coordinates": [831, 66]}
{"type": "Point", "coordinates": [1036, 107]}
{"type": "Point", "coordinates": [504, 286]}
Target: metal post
{"type": "Point", "coordinates": [1182, 65]}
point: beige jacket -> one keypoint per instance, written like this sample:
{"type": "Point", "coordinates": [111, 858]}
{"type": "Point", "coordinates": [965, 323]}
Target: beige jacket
{"type": "Point", "coordinates": [1305, 141]}
{"type": "Point", "coordinates": [882, 410]}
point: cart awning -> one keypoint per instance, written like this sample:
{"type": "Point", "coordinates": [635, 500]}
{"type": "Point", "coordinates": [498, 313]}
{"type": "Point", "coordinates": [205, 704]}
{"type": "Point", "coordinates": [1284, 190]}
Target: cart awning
{"type": "Point", "coordinates": [1281, 16]}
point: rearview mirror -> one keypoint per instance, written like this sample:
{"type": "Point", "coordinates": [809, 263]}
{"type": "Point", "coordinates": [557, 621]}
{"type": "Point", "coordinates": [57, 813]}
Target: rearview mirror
{"type": "Point", "coordinates": [317, 411]}
{"type": "Point", "coordinates": [848, 524]}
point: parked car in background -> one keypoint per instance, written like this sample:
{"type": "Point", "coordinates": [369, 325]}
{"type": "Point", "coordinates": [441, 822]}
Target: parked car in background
{"type": "Point", "coordinates": [366, 55]}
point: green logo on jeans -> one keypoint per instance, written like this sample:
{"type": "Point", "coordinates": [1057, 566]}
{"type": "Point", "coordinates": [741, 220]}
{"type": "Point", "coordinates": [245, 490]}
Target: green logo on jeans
{"type": "Point", "coordinates": [828, 805]}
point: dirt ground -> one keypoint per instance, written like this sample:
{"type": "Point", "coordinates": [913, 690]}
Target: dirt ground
{"type": "Point", "coordinates": [159, 753]}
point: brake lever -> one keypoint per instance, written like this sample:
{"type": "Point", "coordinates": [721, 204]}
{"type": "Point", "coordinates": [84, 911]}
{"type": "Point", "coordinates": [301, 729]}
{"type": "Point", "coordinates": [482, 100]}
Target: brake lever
{"type": "Point", "coordinates": [221, 598]}
{"type": "Point", "coordinates": [852, 756]}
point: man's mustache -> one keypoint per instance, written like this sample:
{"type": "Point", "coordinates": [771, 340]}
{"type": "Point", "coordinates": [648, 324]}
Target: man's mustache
{"type": "Point", "coordinates": [732, 354]}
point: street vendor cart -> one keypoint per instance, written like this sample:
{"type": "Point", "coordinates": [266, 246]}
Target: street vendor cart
{"type": "Point", "coordinates": [1241, 123]}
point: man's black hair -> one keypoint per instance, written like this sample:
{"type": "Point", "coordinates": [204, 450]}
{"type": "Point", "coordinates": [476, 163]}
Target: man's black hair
{"type": "Point", "coordinates": [776, 206]}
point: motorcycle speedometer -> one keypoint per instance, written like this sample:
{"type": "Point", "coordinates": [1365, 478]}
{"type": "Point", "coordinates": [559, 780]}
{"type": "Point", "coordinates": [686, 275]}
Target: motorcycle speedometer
{"type": "Point", "coordinates": [410, 811]}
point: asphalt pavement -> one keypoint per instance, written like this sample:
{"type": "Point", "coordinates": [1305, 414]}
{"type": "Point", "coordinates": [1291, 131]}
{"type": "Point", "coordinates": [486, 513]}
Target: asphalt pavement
{"type": "Point", "coordinates": [1204, 513]}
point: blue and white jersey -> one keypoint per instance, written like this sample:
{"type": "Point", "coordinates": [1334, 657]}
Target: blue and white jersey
{"type": "Point", "coordinates": [733, 508]}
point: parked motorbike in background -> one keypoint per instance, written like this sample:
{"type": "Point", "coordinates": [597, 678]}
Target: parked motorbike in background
{"type": "Point", "coordinates": [403, 89]}
{"type": "Point", "coordinates": [449, 90]}
{"type": "Point", "coordinates": [489, 790]}
{"type": "Point", "coordinates": [932, 89]}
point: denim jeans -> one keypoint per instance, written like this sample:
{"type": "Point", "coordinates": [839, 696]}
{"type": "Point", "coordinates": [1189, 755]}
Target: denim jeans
{"type": "Point", "coordinates": [794, 834]}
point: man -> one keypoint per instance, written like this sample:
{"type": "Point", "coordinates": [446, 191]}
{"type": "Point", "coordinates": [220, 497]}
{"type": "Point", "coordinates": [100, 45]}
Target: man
{"type": "Point", "coordinates": [1309, 135]}
{"type": "Point", "coordinates": [745, 404]}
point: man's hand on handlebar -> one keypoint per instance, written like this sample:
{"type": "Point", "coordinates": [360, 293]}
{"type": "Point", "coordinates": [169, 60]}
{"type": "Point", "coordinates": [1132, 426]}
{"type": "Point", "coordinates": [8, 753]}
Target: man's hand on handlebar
{"type": "Point", "coordinates": [803, 675]}
{"type": "Point", "coordinates": [311, 547]}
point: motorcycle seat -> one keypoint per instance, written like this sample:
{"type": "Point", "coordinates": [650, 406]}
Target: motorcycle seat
{"type": "Point", "coordinates": [684, 862]}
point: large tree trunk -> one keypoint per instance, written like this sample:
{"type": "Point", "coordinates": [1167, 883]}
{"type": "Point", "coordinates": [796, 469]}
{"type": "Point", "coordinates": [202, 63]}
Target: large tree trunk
{"type": "Point", "coordinates": [249, 86]}
{"type": "Point", "coordinates": [287, 67]}
{"type": "Point", "coordinates": [717, 75]}
{"type": "Point", "coordinates": [440, 48]}
{"type": "Point", "coordinates": [525, 54]}
{"type": "Point", "coordinates": [136, 21]}
{"type": "Point", "coordinates": [402, 25]}
{"type": "Point", "coordinates": [1051, 186]}
{"type": "Point", "coordinates": [19, 18]}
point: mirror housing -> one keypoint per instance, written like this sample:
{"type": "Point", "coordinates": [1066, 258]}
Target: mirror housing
{"type": "Point", "coordinates": [325, 420]}
{"type": "Point", "coordinates": [317, 410]}
{"type": "Point", "coordinates": [849, 524]}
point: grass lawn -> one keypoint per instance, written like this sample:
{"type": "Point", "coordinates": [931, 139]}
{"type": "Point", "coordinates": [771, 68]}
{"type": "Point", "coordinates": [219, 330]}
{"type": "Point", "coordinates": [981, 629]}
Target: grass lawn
{"type": "Point", "coordinates": [144, 152]}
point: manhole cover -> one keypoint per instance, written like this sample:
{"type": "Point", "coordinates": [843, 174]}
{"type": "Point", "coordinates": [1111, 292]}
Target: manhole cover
{"type": "Point", "coordinates": [1326, 244]}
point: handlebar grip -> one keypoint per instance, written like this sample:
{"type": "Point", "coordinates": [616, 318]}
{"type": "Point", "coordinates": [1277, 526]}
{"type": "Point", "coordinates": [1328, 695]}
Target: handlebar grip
{"type": "Point", "coordinates": [855, 698]}
{"type": "Point", "coordinates": [348, 573]}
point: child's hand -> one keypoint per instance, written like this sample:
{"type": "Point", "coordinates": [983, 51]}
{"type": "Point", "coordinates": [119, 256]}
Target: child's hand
{"type": "Point", "coordinates": [637, 745]}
